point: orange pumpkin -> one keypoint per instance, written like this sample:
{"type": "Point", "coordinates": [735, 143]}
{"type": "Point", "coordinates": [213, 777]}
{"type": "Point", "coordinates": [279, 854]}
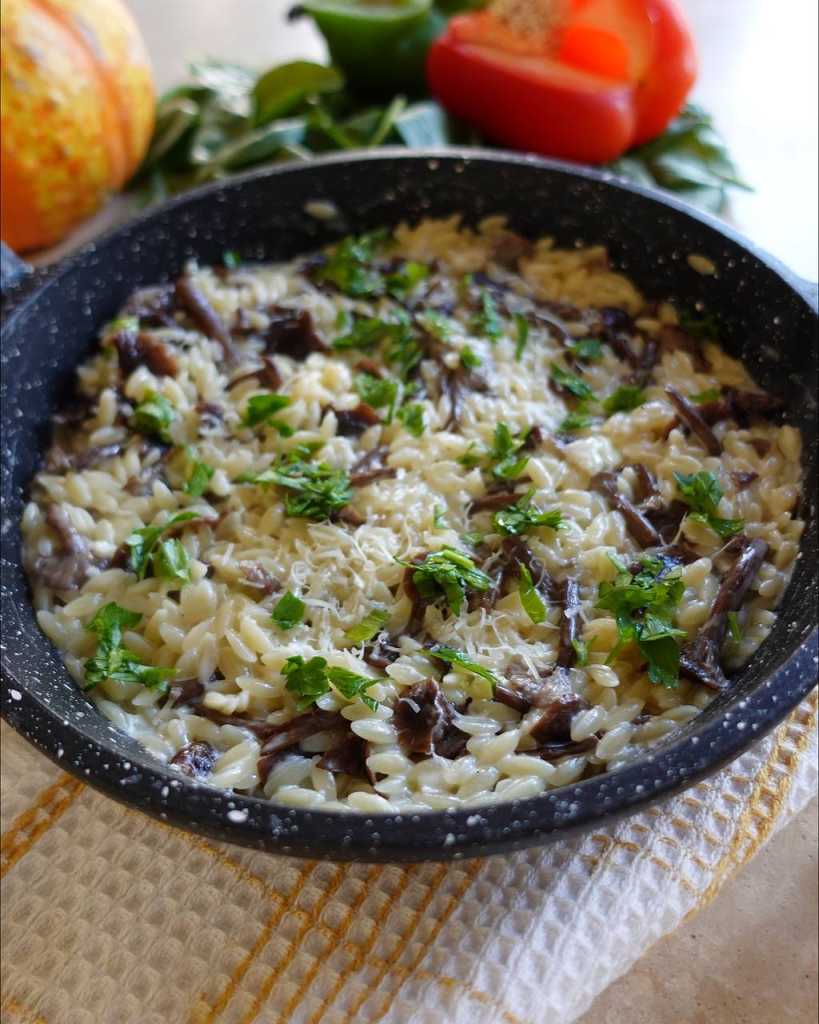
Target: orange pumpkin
{"type": "Point", "coordinates": [76, 113]}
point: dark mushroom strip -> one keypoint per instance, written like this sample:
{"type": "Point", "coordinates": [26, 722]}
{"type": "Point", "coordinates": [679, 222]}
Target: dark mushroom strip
{"type": "Point", "coordinates": [638, 525]}
{"type": "Point", "coordinates": [743, 480]}
{"type": "Point", "coordinates": [62, 461]}
{"type": "Point", "coordinates": [755, 403]}
{"type": "Point", "coordinates": [568, 596]}
{"type": "Point", "coordinates": [353, 422]}
{"type": "Point", "coordinates": [280, 738]}
{"type": "Point", "coordinates": [418, 605]}
{"type": "Point", "coordinates": [423, 719]}
{"type": "Point", "coordinates": [349, 516]}
{"type": "Point", "coordinates": [690, 416]}
{"type": "Point", "coordinates": [153, 307]}
{"type": "Point", "coordinates": [211, 415]}
{"type": "Point", "coordinates": [348, 758]}
{"type": "Point", "coordinates": [257, 576]}
{"type": "Point", "coordinates": [667, 520]}
{"type": "Point", "coordinates": [555, 723]}
{"type": "Point", "coordinates": [492, 502]}
{"type": "Point", "coordinates": [184, 691]}
{"type": "Point", "coordinates": [761, 445]}
{"type": "Point", "coordinates": [204, 316]}
{"type": "Point", "coordinates": [520, 689]}
{"type": "Point", "coordinates": [371, 466]}
{"type": "Point", "coordinates": [291, 332]}
{"type": "Point", "coordinates": [646, 493]}
{"type": "Point", "coordinates": [616, 326]}
{"type": "Point", "coordinates": [195, 759]}
{"type": "Point", "coordinates": [518, 549]}
{"type": "Point", "coordinates": [534, 439]}
{"type": "Point", "coordinates": [700, 660]}
{"type": "Point", "coordinates": [71, 566]}
{"type": "Point", "coordinates": [138, 348]}
{"type": "Point", "coordinates": [381, 654]}
{"type": "Point", "coordinates": [370, 366]}
{"type": "Point", "coordinates": [675, 339]}
{"type": "Point", "coordinates": [267, 374]}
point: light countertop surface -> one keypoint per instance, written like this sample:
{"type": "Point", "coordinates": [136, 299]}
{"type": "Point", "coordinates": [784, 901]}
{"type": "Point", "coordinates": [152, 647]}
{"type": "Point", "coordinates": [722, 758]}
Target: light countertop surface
{"type": "Point", "coordinates": [751, 956]}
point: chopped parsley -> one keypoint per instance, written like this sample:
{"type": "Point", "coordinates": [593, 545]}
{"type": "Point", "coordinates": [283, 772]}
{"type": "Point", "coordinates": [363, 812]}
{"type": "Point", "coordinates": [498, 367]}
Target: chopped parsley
{"type": "Point", "coordinates": [403, 281]}
{"type": "Point", "coordinates": [457, 658]}
{"type": "Point", "coordinates": [529, 598]}
{"type": "Point", "coordinates": [199, 477]}
{"type": "Point", "coordinates": [504, 453]}
{"type": "Point", "coordinates": [571, 383]}
{"type": "Point", "coordinates": [709, 395]}
{"type": "Point", "coordinates": [577, 420]}
{"type": "Point", "coordinates": [316, 490]}
{"type": "Point", "coordinates": [121, 323]}
{"type": "Point", "coordinates": [288, 611]}
{"type": "Point", "coordinates": [589, 349]}
{"type": "Point", "coordinates": [438, 518]}
{"type": "Point", "coordinates": [142, 542]}
{"type": "Point", "coordinates": [487, 321]}
{"type": "Point", "coordinates": [309, 680]}
{"type": "Point", "coordinates": [521, 335]}
{"type": "Point", "coordinates": [734, 628]}
{"type": "Point", "coordinates": [643, 605]}
{"type": "Point", "coordinates": [703, 326]}
{"type": "Point", "coordinates": [523, 515]}
{"type": "Point", "coordinates": [581, 650]}
{"type": "Point", "coordinates": [412, 418]}
{"type": "Point", "coordinates": [469, 359]}
{"type": "Point", "coordinates": [367, 332]}
{"type": "Point", "coordinates": [113, 661]}
{"type": "Point", "coordinates": [624, 399]}
{"type": "Point", "coordinates": [471, 457]}
{"type": "Point", "coordinates": [438, 325]}
{"type": "Point", "coordinates": [403, 349]}
{"type": "Point", "coordinates": [369, 627]}
{"type": "Point", "coordinates": [702, 493]}
{"type": "Point", "coordinates": [153, 416]}
{"type": "Point", "coordinates": [449, 573]}
{"type": "Point", "coordinates": [171, 561]}
{"type": "Point", "coordinates": [348, 267]}
{"type": "Point", "coordinates": [261, 409]}
{"type": "Point", "coordinates": [377, 391]}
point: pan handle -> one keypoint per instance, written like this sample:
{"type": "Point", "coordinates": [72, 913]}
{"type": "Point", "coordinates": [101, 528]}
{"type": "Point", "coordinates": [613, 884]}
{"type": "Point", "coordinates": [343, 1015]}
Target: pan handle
{"type": "Point", "coordinates": [12, 269]}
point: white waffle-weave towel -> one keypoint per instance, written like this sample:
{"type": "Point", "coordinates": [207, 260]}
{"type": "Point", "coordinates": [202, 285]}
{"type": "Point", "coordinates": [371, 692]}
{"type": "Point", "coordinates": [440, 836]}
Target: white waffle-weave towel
{"type": "Point", "coordinates": [111, 918]}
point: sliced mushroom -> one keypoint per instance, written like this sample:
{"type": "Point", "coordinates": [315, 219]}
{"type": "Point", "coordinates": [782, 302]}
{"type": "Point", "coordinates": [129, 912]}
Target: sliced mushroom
{"type": "Point", "coordinates": [195, 759]}
{"type": "Point", "coordinates": [500, 499]}
{"type": "Point", "coordinates": [267, 374]}
{"type": "Point", "coordinates": [353, 422]}
{"type": "Point", "coordinates": [291, 332]}
{"type": "Point", "coordinates": [638, 525]}
{"type": "Point", "coordinates": [691, 417]}
{"type": "Point", "coordinates": [70, 567]}
{"type": "Point", "coordinates": [288, 735]}
{"type": "Point", "coordinates": [371, 466]}
{"type": "Point", "coordinates": [256, 575]}
{"type": "Point", "coordinates": [568, 596]}
{"type": "Point", "coordinates": [138, 348]}
{"type": "Point", "coordinates": [555, 723]}
{"type": "Point", "coordinates": [348, 758]}
{"type": "Point", "coordinates": [193, 301]}
{"type": "Point", "coordinates": [423, 718]}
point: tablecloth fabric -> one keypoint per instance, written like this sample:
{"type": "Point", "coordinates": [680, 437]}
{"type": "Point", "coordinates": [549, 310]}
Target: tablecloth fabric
{"type": "Point", "coordinates": [111, 918]}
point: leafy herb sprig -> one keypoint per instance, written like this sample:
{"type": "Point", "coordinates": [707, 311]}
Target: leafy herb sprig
{"type": "Point", "coordinates": [114, 661]}
{"type": "Point", "coordinates": [309, 680]}
{"type": "Point", "coordinates": [449, 573]}
{"type": "Point", "coordinates": [702, 493]}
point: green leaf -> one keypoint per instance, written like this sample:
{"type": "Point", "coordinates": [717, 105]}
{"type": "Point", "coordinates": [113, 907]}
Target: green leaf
{"type": "Point", "coordinates": [199, 477]}
{"type": "Point", "coordinates": [438, 518]}
{"type": "Point", "coordinates": [112, 660]}
{"type": "Point", "coordinates": [109, 622]}
{"type": "Point", "coordinates": [376, 391]}
{"type": "Point", "coordinates": [349, 269]}
{"type": "Point", "coordinates": [709, 395]}
{"type": "Point", "coordinates": [734, 627]}
{"type": "Point", "coordinates": [571, 383]}
{"type": "Point", "coordinates": [386, 121]}
{"type": "Point", "coordinates": [288, 611]}
{"type": "Point", "coordinates": [153, 416]}
{"type": "Point", "coordinates": [439, 326]}
{"type": "Point", "coordinates": [722, 527]}
{"type": "Point", "coordinates": [412, 418]}
{"type": "Point", "coordinates": [703, 326]}
{"type": "Point", "coordinates": [306, 679]}
{"type": "Point", "coordinates": [469, 360]}
{"type": "Point", "coordinates": [529, 598]}
{"type": "Point", "coordinates": [459, 659]}
{"type": "Point", "coordinates": [170, 561]}
{"type": "Point", "coordinates": [700, 491]}
{"type": "Point", "coordinates": [401, 282]}
{"type": "Point", "coordinates": [508, 464]}
{"type": "Point", "coordinates": [318, 490]}
{"type": "Point", "coordinates": [449, 573]}
{"type": "Point", "coordinates": [369, 627]}
{"type": "Point", "coordinates": [523, 515]}
{"type": "Point", "coordinates": [283, 89]}
{"type": "Point", "coordinates": [624, 399]}
{"type": "Point", "coordinates": [351, 685]}
{"type": "Point", "coordinates": [522, 335]}
{"type": "Point", "coordinates": [577, 420]}
{"type": "Point", "coordinates": [589, 349]}
{"type": "Point", "coordinates": [487, 321]}
{"type": "Point", "coordinates": [366, 333]}
{"type": "Point", "coordinates": [581, 650]}
{"type": "Point", "coordinates": [143, 541]}
{"type": "Point", "coordinates": [260, 408]}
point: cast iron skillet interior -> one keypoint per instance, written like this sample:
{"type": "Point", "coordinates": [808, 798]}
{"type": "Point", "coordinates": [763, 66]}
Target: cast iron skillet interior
{"type": "Point", "coordinates": [769, 321]}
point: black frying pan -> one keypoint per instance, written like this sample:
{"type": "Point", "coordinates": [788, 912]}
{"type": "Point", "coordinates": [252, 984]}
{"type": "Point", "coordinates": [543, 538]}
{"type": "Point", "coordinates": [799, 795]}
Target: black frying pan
{"type": "Point", "coordinates": [50, 323]}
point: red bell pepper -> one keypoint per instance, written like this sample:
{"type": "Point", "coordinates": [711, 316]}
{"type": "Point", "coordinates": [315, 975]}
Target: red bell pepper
{"type": "Point", "coordinates": [580, 79]}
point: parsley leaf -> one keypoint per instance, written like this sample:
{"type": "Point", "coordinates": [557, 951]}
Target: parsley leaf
{"type": "Point", "coordinates": [351, 685]}
{"type": "Point", "coordinates": [311, 679]}
{"type": "Point", "coordinates": [643, 604]}
{"type": "Point", "coordinates": [170, 561]}
{"type": "Point", "coordinates": [448, 572]}
{"type": "Point", "coordinates": [523, 515]}
{"type": "Point", "coordinates": [522, 335]}
{"type": "Point", "coordinates": [734, 627]}
{"type": "Point", "coordinates": [469, 359]}
{"type": "Point", "coordinates": [471, 457]}
{"type": "Point", "coordinates": [487, 320]}
{"type": "Point", "coordinates": [318, 490]}
{"type": "Point", "coordinates": [505, 446]}
{"type": "Point", "coordinates": [577, 420]}
{"type": "Point", "coordinates": [370, 626]}
{"type": "Point", "coordinates": [377, 391]}
{"type": "Point", "coordinates": [403, 349]}
{"type": "Point", "coordinates": [571, 383]}
{"type": "Point", "coordinates": [260, 408]}
{"type": "Point", "coordinates": [143, 541]}
{"type": "Point", "coordinates": [458, 658]}
{"type": "Point", "coordinates": [348, 267]}
{"type": "Point", "coordinates": [581, 649]}
{"type": "Point", "coordinates": [587, 348]}
{"type": "Point", "coordinates": [709, 395]}
{"type": "Point", "coordinates": [438, 325]}
{"type": "Point", "coordinates": [153, 416]}
{"type": "Point", "coordinates": [403, 281]}
{"type": "Point", "coordinates": [412, 417]}
{"type": "Point", "coordinates": [529, 598]}
{"type": "Point", "coordinates": [624, 399]}
{"type": "Point", "coordinates": [288, 611]}
{"type": "Point", "coordinates": [438, 518]}
{"type": "Point", "coordinates": [368, 332]}
{"type": "Point", "coordinates": [703, 326]}
{"type": "Point", "coordinates": [702, 493]}
{"type": "Point", "coordinates": [199, 478]}
{"type": "Point", "coordinates": [112, 660]}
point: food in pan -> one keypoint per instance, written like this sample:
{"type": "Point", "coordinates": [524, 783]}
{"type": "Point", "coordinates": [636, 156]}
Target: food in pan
{"type": "Point", "coordinates": [433, 518]}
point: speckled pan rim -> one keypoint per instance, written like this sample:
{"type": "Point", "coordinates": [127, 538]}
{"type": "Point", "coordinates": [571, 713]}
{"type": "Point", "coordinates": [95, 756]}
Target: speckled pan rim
{"type": "Point", "coordinates": [140, 782]}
